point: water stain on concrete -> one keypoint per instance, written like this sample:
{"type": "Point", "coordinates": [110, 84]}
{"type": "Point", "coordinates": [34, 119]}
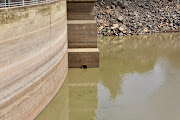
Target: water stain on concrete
{"type": "Point", "coordinates": [10, 17]}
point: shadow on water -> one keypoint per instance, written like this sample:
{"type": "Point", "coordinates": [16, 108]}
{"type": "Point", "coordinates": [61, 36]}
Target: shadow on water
{"type": "Point", "coordinates": [138, 79]}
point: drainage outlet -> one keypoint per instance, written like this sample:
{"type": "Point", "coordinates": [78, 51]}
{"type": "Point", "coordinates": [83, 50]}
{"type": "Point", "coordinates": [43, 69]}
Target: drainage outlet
{"type": "Point", "coordinates": [84, 67]}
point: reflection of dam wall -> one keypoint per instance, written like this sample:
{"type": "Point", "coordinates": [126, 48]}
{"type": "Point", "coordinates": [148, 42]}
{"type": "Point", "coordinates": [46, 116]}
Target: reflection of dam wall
{"type": "Point", "coordinates": [83, 100]}
{"type": "Point", "coordinates": [33, 58]}
{"type": "Point", "coordinates": [77, 98]}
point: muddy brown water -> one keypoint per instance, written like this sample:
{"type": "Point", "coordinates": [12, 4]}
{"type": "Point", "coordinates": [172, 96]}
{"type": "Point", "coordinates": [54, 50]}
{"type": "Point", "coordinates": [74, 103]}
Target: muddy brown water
{"type": "Point", "coordinates": [138, 79]}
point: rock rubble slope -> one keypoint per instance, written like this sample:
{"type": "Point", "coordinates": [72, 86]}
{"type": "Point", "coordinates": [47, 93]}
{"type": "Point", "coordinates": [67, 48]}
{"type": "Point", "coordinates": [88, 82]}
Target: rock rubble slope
{"type": "Point", "coordinates": [134, 17]}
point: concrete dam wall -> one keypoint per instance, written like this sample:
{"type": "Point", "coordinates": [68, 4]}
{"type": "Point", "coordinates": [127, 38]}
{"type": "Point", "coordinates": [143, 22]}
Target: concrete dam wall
{"type": "Point", "coordinates": [33, 58]}
{"type": "Point", "coordinates": [34, 54]}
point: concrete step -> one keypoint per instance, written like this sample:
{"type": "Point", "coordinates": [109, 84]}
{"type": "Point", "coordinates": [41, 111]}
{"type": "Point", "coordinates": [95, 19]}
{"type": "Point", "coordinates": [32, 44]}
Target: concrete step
{"type": "Point", "coordinates": [80, 9]}
{"type": "Point", "coordinates": [83, 56]}
{"type": "Point", "coordinates": [82, 34]}
{"type": "Point", "coordinates": [81, 1]}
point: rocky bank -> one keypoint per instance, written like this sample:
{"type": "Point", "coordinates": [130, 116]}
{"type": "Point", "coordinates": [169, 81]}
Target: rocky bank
{"type": "Point", "coordinates": [134, 17]}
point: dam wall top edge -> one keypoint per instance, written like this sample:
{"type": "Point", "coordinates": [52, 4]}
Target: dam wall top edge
{"type": "Point", "coordinates": [26, 6]}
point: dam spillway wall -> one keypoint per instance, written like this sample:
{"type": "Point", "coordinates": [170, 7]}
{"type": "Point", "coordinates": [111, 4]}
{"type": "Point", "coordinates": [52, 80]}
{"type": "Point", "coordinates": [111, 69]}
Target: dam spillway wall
{"type": "Point", "coordinates": [82, 34]}
{"type": "Point", "coordinates": [33, 58]}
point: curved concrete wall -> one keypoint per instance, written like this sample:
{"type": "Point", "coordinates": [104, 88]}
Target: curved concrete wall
{"type": "Point", "coordinates": [33, 58]}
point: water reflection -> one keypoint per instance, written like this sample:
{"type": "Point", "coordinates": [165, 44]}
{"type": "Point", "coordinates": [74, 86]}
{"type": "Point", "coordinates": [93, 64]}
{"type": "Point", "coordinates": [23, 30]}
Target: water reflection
{"type": "Point", "coordinates": [120, 56]}
{"type": "Point", "coordinates": [82, 93]}
{"type": "Point", "coordinates": [138, 79]}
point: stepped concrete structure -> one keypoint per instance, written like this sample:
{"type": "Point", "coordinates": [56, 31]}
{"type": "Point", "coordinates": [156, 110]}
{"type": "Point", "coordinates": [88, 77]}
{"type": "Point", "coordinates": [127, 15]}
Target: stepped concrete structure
{"type": "Point", "coordinates": [82, 34]}
{"type": "Point", "coordinates": [34, 53]}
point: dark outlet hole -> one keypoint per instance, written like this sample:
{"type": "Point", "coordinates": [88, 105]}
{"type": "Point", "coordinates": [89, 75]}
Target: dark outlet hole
{"type": "Point", "coordinates": [84, 67]}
